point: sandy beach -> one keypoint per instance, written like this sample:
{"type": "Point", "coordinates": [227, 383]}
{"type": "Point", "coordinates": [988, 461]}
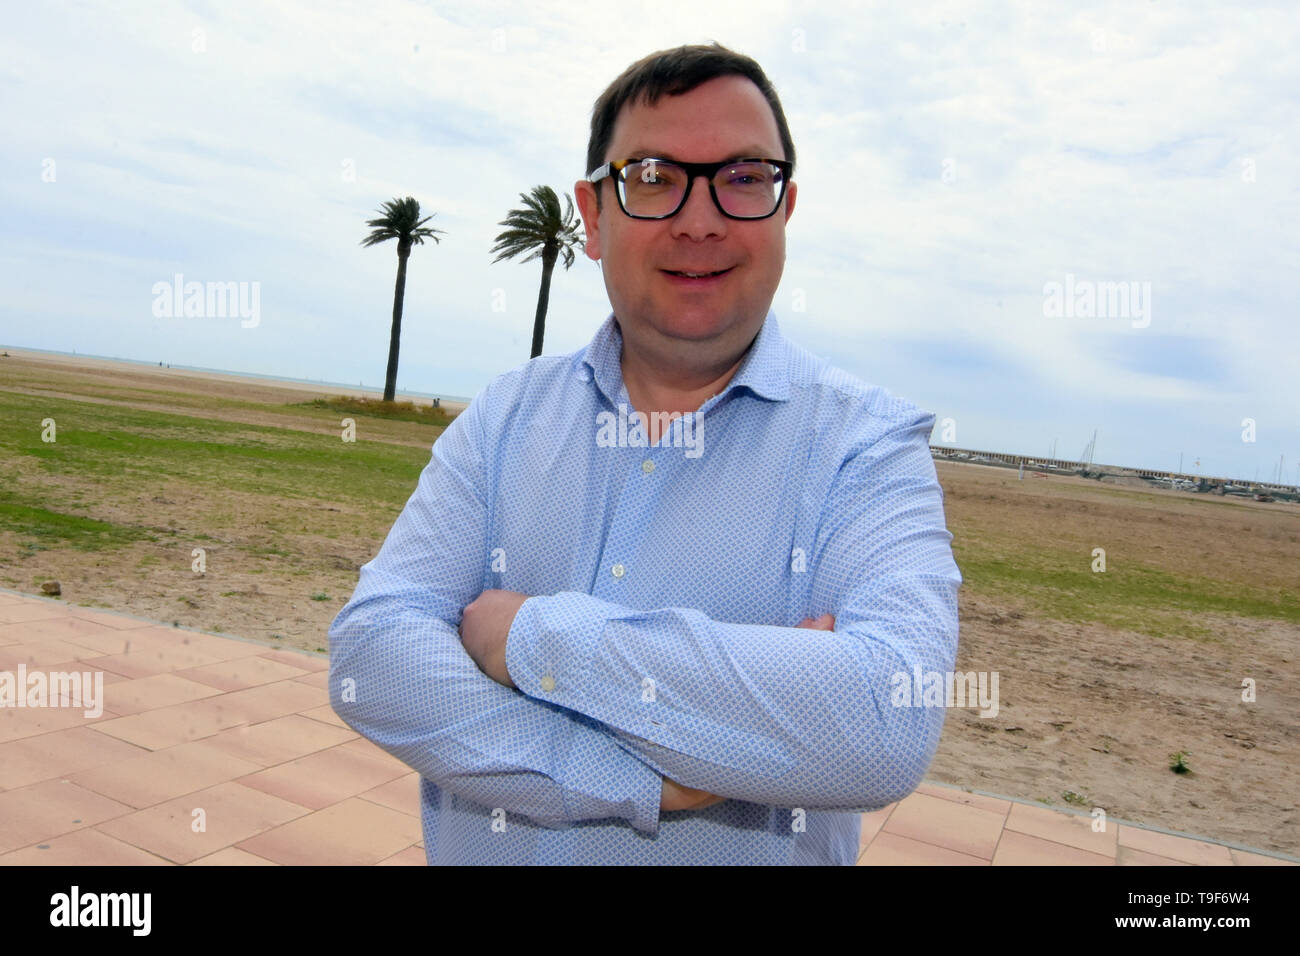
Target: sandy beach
{"type": "Point", "coordinates": [244, 386]}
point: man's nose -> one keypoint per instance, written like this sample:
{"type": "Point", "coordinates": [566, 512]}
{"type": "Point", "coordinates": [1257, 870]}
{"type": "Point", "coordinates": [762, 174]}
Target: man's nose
{"type": "Point", "coordinates": [699, 218]}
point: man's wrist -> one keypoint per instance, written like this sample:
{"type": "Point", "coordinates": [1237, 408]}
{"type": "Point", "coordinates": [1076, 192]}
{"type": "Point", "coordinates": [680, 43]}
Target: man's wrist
{"type": "Point", "coordinates": [518, 641]}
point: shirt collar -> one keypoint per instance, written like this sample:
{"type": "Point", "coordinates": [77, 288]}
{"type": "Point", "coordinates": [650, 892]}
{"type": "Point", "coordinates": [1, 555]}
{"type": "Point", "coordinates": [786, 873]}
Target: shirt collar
{"type": "Point", "coordinates": [765, 370]}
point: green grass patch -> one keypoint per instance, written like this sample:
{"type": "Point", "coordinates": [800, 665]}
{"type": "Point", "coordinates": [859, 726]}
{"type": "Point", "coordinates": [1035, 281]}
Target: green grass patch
{"type": "Point", "coordinates": [1061, 584]}
{"type": "Point", "coordinates": [377, 408]}
{"type": "Point", "coordinates": [55, 528]}
{"type": "Point", "coordinates": [115, 447]}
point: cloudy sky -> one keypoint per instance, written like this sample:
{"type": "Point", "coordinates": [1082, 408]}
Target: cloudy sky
{"type": "Point", "coordinates": [968, 175]}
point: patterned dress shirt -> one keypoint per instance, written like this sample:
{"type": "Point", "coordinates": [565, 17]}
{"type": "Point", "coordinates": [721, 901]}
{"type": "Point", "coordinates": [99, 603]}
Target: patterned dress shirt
{"type": "Point", "coordinates": [661, 639]}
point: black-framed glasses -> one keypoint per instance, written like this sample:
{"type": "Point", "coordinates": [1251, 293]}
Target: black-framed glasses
{"type": "Point", "coordinates": [651, 188]}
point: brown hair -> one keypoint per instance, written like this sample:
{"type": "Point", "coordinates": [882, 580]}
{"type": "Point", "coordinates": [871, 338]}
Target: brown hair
{"type": "Point", "coordinates": [672, 73]}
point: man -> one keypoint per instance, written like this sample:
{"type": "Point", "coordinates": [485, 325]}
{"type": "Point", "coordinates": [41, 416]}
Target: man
{"type": "Point", "coordinates": [648, 600]}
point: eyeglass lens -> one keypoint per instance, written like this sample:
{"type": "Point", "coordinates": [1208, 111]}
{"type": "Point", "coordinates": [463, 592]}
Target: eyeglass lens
{"type": "Point", "coordinates": [655, 188]}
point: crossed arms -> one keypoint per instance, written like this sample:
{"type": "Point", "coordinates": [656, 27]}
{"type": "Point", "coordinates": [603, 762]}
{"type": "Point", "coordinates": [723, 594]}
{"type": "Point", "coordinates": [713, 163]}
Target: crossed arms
{"type": "Point", "coordinates": [781, 716]}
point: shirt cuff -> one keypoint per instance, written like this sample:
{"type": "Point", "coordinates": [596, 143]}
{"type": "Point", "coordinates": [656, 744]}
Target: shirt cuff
{"type": "Point", "coordinates": [551, 644]}
{"type": "Point", "coordinates": [548, 656]}
{"type": "Point", "coordinates": [607, 782]}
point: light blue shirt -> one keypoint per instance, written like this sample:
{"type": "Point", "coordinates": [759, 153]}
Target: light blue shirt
{"type": "Point", "coordinates": [662, 639]}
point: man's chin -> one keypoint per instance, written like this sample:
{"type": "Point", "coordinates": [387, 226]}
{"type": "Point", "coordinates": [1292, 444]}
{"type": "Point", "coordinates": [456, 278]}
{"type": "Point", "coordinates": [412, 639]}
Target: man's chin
{"type": "Point", "coordinates": [693, 324]}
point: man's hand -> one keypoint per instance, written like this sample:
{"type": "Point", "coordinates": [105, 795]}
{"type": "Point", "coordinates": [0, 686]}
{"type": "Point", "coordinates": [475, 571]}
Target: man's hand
{"type": "Point", "coordinates": [673, 796]}
{"type": "Point", "coordinates": [824, 623]}
{"type": "Point", "coordinates": [484, 627]}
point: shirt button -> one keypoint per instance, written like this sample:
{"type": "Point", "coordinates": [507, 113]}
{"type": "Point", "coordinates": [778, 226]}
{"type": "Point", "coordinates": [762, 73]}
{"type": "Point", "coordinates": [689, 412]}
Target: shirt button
{"type": "Point", "coordinates": [548, 683]}
{"type": "Point", "coordinates": [647, 466]}
{"type": "Point", "coordinates": [618, 570]}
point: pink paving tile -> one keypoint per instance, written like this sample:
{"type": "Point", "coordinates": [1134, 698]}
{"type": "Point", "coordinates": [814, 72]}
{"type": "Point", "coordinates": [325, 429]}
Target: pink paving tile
{"type": "Point", "coordinates": [1068, 828]}
{"type": "Point", "coordinates": [86, 847]}
{"type": "Point", "coordinates": [162, 775]}
{"type": "Point", "coordinates": [303, 661]}
{"type": "Point", "coordinates": [368, 748]}
{"type": "Point", "coordinates": [324, 778]}
{"type": "Point", "coordinates": [62, 628]}
{"type": "Point", "coordinates": [402, 794]}
{"type": "Point", "coordinates": [1175, 847]}
{"type": "Point", "coordinates": [326, 715]}
{"type": "Point", "coordinates": [320, 680]}
{"type": "Point", "coordinates": [256, 704]}
{"type": "Point", "coordinates": [47, 809]}
{"type": "Point", "coordinates": [146, 659]}
{"type": "Point", "coordinates": [118, 622]}
{"type": "Point", "coordinates": [210, 647]}
{"type": "Point", "coordinates": [992, 804]}
{"type": "Point", "coordinates": [280, 740]}
{"type": "Point", "coordinates": [20, 722]}
{"type": "Point", "coordinates": [30, 610]}
{"type": "Point", "coordinates": [963, 829]}
{"type": "Point", "coordinates": [1021, 849]}
{"type": "Point", "coordinates": [352, 833]}
{"type": "Point", "coordinates": [890, 849]}
{"type": "Point", "coordinates": [47, 653]}
{"type": "Point", "coordinates": [232, 857]}
{"type": "Point", "coordinates": [230, 813]}
{"type": "Point", "coordinates": [213, 645]}
{"type": "Point", "coordinates": [241, 673]}
{"type": "Point", "coordinates": [1127, 856]}
{"type": "Point", "coordinates": [103, 641]}
{"type": "Point", "coordinates": [411, 856]}
{"type": "Point", "coordinates": [871, 824]}
{"type": "Point", "coordinates": [46, 756]}
{"type": "Point", "coordinates": [177, 724]}
{"type": "Point", "coordinates": [129, 696]}
{"type": "Point", "coordinates": [1243, 858]}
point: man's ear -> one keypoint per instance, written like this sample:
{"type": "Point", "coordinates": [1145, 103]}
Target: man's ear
{"type": "Point", "coordinates": [585, 193]}
{"type": "Point", "coordinates": [790, 190]}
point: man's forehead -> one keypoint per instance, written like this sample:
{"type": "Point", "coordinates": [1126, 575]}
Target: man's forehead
{"type": "Point", "coordinates": [749, 123]}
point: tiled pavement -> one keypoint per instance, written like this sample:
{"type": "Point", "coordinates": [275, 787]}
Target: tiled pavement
{"type": "Point", "coordinates": [218, 751]}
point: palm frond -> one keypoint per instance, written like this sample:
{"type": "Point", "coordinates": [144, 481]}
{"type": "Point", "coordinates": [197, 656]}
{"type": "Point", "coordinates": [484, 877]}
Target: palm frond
{"type": "Point", "coordinates": [401, 220]}
{"type": "Point", "coordinates": [539, 226]}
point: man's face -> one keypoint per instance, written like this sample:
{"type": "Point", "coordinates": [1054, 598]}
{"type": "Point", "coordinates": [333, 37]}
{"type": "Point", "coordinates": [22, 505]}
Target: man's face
{"type": "Point", "coordinates": [724, 118]}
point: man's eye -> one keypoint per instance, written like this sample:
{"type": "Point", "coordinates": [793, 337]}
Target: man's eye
{"type": "Point", "coordinates": [747, 178]}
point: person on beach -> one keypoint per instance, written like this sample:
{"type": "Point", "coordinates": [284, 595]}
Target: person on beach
{"type": "Point", "coordinates": [648, 601]}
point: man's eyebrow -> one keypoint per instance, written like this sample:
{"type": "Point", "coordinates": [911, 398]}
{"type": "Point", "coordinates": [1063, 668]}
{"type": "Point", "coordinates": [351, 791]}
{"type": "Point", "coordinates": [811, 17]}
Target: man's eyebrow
{"type": "Point", "coordinates": [750, 152]}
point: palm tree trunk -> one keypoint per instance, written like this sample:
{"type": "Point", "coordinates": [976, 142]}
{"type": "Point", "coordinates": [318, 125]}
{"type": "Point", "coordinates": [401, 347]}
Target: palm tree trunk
{"type": "Point", "coordinates": [395, 339]}
{"type": "Point", "coordinates": [543, 300]}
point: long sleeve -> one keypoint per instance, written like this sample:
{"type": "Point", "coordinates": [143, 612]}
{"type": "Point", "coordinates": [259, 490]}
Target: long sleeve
{"type": "Point", "coordinates": [779, 715]}
{"type": "Point", "coordinates": [400, 676]}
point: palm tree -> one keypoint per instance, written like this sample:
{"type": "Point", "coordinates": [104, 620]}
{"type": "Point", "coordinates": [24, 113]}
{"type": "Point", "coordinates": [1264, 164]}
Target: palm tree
{"type": "Point", "coordinates": [401, 221]}
{"type": "Point", "coordinates": [540, 230]}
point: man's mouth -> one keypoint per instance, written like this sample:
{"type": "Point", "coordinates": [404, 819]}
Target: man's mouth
{"type": "Point", "coordinates": [697, 275]}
